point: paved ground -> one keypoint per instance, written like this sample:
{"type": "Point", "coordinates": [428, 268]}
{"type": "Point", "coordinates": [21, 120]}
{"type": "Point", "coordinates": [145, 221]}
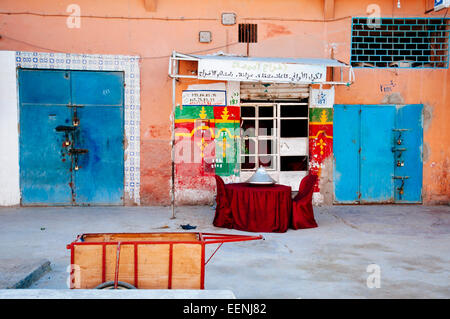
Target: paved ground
{"type": "Point", "coordinates": [115, 294]}
{"type": "Point", "coordinates": [410, 244]}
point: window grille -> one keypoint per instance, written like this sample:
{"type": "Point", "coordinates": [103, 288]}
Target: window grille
{"type": "Point", "coordinates": [400, 42]}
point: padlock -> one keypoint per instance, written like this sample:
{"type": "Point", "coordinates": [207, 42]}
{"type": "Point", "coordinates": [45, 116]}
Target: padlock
{"type": "Point", "coordinates": [399, 142]}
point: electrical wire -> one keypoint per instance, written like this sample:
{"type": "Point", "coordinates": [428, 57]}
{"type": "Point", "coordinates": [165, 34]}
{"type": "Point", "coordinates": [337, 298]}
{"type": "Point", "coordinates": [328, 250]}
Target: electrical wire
{"type": "Point", "coordinates": [144, 57]}
{"type": "Point", "coordinates": [194, 52]}
{"type": "Point", "coordinates": [174, 18]}
{"type": "Point", "coordinates": [298, 19]}
{"type": "Point", "coordinates": [31, 44]}
{"type": "Point", "coordinates": [58, 15]}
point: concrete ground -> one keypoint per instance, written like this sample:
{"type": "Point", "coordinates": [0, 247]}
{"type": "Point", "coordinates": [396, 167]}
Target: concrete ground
{"type": "Point", "coordinates": [409, 243]}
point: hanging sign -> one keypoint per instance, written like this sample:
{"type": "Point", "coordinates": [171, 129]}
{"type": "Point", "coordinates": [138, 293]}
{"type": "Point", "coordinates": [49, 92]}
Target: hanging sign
{"type": "Point", "coordinates": [204, 97]}
{"type": "Point", "coordinates": [259, 71]}
{"type": "Point", "coordinates": [441, 4]}
{"type": "Point", "coordinates": [322, 97]}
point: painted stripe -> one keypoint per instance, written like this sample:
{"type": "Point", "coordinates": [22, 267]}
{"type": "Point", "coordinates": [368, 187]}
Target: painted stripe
{"type": "Point", "coordinates": [209, 120]}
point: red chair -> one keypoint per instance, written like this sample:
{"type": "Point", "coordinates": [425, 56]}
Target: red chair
{"type": "Point", "coordinates": [223, 216]}
{"type": "Point", "coordinates": [302, 209]}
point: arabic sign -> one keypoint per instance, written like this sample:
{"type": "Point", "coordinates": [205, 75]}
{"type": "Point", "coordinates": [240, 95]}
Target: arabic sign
{"type": "Point", "coordinates": [322, 97]}
{"type": "Point", "coordinates": [204, 97]}
{"type": "Point", "coordinates": [257, 71]}
{"type": "Point", "coordinates": [440, 4]}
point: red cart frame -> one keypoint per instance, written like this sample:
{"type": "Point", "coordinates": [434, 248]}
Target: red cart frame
{"type": "Point", "coordinates": [204, 239]}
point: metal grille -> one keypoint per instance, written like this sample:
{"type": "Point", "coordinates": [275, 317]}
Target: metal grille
{"type": "Point", "coordinates": [248, 33]}
{"type": "Point", "coordinates": [400, 42]}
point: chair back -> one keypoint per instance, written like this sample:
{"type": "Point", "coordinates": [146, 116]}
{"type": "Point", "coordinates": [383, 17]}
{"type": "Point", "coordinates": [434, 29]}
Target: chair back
{"type": "Point", "coordinates": [306, 186]}
{"type": "Point", "coordinates": [221, 195]}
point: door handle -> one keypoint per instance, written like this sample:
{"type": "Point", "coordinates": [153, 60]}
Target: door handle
{"type": "Point", "coordinates": [78, 151]}
{"type": "Point", "coordinates": [394, 149]}
{"type": "Point", "coordinates": [65, 128]}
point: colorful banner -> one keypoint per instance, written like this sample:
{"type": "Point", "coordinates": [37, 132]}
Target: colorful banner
{"type": "Point", "coordinates": [206, 140]}
{"type": "Point", "coordinates": [320, 139]}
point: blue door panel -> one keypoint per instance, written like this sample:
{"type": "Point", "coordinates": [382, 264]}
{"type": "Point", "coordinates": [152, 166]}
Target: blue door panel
{"type": "Point", "coordinates": [97, 88]}
{"type": "Point", "coordinates": [377, 170]}
{"type": "Point", "coordinates": [45, 164]}
{"type": "Point", "coordinates": [52, 171]}
{"type": "Point", "coordinates": [409, 136]}
{"type": "Point", "coordinates": [388, 165]}
{"type": "Point", "coordinates": [345, 147]}
{"type": "Point", "coordinates": [44, 87]}
{"type": "Point", "coordinates": [99, 179]}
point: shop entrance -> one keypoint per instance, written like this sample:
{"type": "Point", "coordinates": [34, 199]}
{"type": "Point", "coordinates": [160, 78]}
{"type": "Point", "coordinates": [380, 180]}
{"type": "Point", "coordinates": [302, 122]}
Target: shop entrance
{"type": "Point", "coordinates": [71, 137]}
{"type": "Point", "coordinates": [378, 153]}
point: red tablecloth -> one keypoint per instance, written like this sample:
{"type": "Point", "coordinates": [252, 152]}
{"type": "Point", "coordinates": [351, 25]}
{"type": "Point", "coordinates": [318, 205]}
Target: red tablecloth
{"type": "Point", "coordinates": [258, 208]}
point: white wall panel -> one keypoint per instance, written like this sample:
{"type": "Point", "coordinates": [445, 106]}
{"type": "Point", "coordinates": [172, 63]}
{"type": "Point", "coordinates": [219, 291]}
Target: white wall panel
{"type": "Point", "coordinates": [9, 136]}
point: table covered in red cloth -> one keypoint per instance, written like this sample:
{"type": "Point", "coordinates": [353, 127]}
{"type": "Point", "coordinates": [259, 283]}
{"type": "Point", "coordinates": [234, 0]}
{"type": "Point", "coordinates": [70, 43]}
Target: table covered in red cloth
{"type": "Point", "coordinates": [256, 208]}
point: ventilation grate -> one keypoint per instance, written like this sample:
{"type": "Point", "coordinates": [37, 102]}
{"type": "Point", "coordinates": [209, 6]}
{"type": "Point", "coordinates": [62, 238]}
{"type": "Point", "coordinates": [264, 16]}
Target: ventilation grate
{"type": "Point", "coordinates": [400, 42]}
{"type": "Point", "coordinates": [248, 33]}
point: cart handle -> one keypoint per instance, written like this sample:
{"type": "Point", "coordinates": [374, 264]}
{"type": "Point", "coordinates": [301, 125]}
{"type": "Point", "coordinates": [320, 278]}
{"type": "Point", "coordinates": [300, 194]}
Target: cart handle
{"type": "Point", "coordinates": [211, 239]}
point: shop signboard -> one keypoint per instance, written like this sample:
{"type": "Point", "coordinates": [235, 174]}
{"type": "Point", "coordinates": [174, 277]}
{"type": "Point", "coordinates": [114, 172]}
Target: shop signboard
{"type": "Point", "coordinates": [260, 71]}
{"type": "Point", "coordinates": [204, 97]}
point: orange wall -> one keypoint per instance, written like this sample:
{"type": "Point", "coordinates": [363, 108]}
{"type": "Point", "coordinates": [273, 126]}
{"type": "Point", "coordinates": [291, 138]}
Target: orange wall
{"type": "Point", "coordinates": [124, 27]}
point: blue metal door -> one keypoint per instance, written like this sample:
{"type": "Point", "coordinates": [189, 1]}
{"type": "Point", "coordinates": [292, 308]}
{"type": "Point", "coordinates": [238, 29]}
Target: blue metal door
{"type": "Point", "coordinates": [45, 164]}
{"type": "Point", "coordinates": [71, 137]}
{"type": "Point", "coordinates": [407, 149]}
{"type": "Point", "coordinates": [99, 177]}
{"type": "Point", "coordinates": [378, 153]}
{"type": "Point", "coordinates": [346, 145]}
{"type": "Point", "coordinates": [376, 158]}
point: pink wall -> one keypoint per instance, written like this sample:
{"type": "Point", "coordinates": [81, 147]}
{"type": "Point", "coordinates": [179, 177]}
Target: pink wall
{"type": "Point", "coordinates": [124, 27]}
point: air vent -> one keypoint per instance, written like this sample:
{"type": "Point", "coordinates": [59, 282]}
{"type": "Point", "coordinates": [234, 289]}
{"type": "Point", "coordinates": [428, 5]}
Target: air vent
{"type": "Point", "coordinates": [248, 33]}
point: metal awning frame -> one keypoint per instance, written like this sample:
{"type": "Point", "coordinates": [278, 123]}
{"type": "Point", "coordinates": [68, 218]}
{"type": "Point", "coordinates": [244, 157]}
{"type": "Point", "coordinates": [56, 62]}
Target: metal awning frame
{"type": "Point", "coordinates": [177, 56]}
{"type": "Point", "coordinates": [174, 63]}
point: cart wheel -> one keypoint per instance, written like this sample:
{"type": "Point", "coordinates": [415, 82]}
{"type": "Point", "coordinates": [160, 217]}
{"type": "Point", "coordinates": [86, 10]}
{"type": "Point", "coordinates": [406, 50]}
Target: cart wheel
{"type": "Point", "coordinates": [120, 285]}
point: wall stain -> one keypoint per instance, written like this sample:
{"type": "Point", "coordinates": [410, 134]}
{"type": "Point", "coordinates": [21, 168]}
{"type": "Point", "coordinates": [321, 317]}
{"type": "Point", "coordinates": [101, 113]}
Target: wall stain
{"type": "Point", "coordinates": [427, 116]}
{"type": "Point", "coordinates": [274, 30]}
{"type": "Point", "coordinates": [425, 152]}
{"type": "Point", "coordinates": [128, 200]}
{"type": "Point", "coordinates": [326, 181]}
{"type": "Point", "coordinates": [393, 98]}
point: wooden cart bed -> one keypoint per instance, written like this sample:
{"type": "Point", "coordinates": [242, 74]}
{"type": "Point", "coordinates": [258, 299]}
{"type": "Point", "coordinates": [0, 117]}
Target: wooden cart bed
{"type": "Point", "coordinates": [144, 260]}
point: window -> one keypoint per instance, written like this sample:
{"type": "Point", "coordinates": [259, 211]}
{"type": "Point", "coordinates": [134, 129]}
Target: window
{"type": "Point", "coordinates": [258, 142]}
{"type": "Point", "coordinates": [400, 42]}
{"type": "Point", "coordinates": [274, 135]}
{"type": "Point", "coordinates": [248, 33]}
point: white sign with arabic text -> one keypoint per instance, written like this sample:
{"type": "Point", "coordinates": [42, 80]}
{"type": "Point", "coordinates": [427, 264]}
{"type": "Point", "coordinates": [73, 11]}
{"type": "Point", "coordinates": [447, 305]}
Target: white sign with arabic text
{"type": "Point", "coordinates": [258, 71]}
{"type": "Point", "coordinates": [322, 97]}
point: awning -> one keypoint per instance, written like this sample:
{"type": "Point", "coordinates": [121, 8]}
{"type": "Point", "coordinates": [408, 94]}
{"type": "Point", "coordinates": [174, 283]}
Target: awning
{"type": "Point", "coordinates": [224, 67]}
